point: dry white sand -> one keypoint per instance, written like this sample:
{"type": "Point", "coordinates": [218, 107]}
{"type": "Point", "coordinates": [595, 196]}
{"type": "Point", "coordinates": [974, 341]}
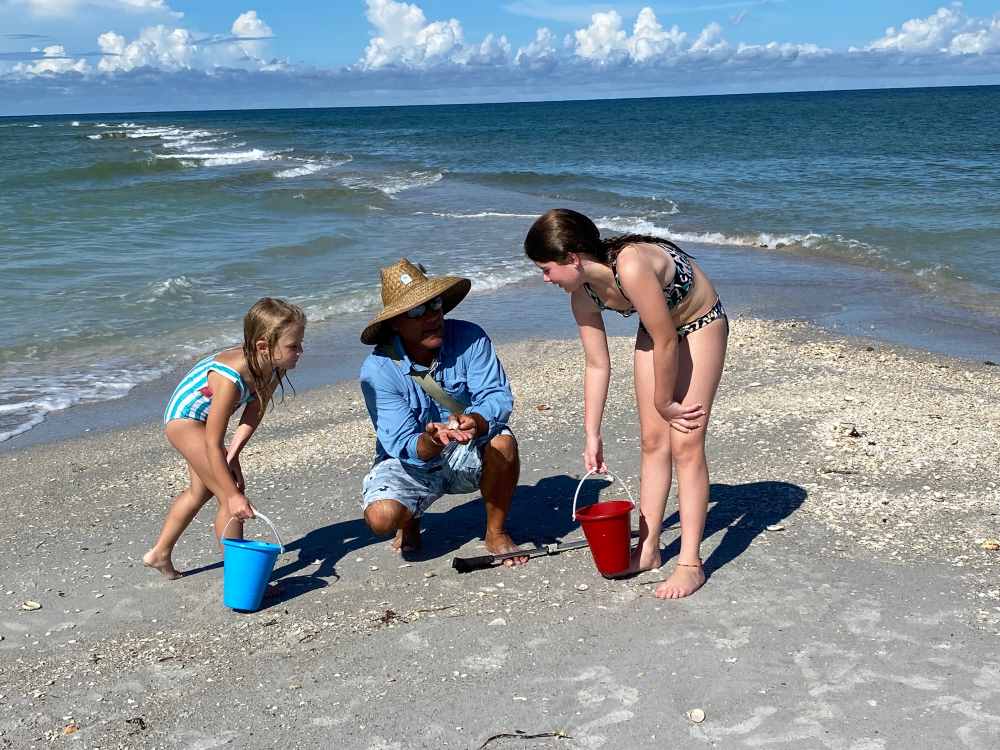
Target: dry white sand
{"type": "Point", "coordinates": [880, 465]}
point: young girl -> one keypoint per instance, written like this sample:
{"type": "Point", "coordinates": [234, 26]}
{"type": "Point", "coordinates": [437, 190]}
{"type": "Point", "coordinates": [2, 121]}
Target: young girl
{"type": "Point", "coordinates": [199, 411]}
{"type": "Point", "coordinates": [679, 352]}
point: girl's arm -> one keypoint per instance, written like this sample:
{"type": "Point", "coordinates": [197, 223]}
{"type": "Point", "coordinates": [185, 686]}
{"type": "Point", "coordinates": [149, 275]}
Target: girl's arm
{"type": "Point", "coordinates": [597, 375]}
{"type": "Point", "coordinates": [249, 422]}
{"type": "Point", "coordinates": [643, 288]}
{"type": "Point", "coordinates": [225, 397]}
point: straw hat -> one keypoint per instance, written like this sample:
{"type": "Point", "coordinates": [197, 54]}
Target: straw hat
{"type": "Point", "coordinates": [405, 286]}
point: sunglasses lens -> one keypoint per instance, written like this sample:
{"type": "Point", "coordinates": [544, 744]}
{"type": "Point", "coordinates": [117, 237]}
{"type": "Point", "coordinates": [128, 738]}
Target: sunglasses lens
{"type": "Point", "coordinates": [420, 310]}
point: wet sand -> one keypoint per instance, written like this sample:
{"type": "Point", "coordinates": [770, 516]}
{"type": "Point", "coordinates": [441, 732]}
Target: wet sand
{"type": "Point", "coordinates": [852, 600]}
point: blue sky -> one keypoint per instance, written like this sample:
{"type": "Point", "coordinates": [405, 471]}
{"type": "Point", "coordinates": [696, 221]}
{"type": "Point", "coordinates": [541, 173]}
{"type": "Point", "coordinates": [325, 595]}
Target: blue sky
{"type": "Point", "coordinates": [133, 55]}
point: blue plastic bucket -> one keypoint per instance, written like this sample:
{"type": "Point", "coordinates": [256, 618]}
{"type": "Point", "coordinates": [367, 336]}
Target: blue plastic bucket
{"type": "Point", "coordinates": [247, 567]}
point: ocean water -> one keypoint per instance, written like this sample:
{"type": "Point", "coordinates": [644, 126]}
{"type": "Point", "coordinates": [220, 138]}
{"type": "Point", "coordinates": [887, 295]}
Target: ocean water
{"type": "Point", "coordinates": [130, 244]}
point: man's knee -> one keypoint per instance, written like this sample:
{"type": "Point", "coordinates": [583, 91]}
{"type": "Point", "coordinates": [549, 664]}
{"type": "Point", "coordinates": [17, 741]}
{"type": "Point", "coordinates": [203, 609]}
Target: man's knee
{"type": "Point", "coordinates": [503, 449]}
{"type": "Point", "coordinates": [385, 517]}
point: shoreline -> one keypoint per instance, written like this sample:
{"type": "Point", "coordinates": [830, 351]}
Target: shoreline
{"type": "Point", "coordinates": [790, 293]}
{"type": "Point", "coordinates": [837, 518]}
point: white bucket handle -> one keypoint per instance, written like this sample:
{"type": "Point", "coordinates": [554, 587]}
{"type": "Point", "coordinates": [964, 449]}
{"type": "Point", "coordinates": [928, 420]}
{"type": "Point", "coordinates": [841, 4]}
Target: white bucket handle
{"type": "Point", "coordinates": [594, 471]}
{"type": "Point", "coordinates": [262, 517]}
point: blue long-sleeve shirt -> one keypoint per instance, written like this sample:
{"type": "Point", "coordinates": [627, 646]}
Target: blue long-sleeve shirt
{"type": "Point", "coordinates": [467, 368]}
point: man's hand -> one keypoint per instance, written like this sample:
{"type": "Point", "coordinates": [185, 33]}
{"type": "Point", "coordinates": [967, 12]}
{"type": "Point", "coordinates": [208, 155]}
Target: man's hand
{"type": "Point", "coordinates": [465, 424]}
{"type": "Point", "coordinates": [441, 434]}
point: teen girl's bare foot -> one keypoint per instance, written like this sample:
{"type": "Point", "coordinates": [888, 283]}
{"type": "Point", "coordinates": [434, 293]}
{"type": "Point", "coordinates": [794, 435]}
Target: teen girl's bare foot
{"type": "Point", "coordinates": [643, 557]}
{"type": "Point", "coordinates": [408, 537]}
{"type": "Point", "coordinates": [156, 561]}
{"type": "Point", "coordinates": [684, 581]}
{"type": "Point", "coordinates": [500, 543]}
{"type": "Point", "coordinates": [647, 557]}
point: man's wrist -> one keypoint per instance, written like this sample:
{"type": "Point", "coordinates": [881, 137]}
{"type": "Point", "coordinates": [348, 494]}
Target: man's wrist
{"type": "Point", "coordinates": [481, 423]}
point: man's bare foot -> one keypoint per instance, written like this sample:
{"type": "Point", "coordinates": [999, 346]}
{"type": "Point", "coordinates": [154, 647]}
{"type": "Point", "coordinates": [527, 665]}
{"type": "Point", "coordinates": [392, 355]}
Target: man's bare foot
{"type": "Point", "coordinates": [408, 537]}
{"type": "Point", "coordinates": [162, 563]}
{"type": "Point", "coordinates": [500, 543]}
{"type": "Point", "coordinates": [684, 581]}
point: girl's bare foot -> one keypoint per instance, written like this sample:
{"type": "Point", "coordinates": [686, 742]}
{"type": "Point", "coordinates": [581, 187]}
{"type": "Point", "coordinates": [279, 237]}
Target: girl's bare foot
{"type": "Point", "coordinates": [160, 562]}
{"type": "Point", "coordinates": [643, 557]}
{"type": "Point", "coordinates": [647, 557]}
{"type": "Point", "coordinates": [684, 581]}
{"type": "Point", "coordinates": [408, 537]}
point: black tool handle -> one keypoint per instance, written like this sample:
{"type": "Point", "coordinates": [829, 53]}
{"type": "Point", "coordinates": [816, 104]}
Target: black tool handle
{"type": "Point", "coordinates": [468, 564]}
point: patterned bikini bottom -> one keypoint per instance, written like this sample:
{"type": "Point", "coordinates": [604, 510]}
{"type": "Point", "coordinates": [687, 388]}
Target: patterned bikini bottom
{"type": "Point", "coordinates": [717, 311]}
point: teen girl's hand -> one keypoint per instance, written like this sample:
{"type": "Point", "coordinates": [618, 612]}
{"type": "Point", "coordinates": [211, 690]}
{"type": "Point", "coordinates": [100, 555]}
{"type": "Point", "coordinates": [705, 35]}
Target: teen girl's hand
{"type": "Point", "coordinates": [239, 506]}
{"type": "Point", "coordinates": [593, 455]}
{"type": "Point", "coordinates": [682, 418]}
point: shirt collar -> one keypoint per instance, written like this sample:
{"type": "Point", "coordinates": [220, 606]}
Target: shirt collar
{"type": "Point", "coordinates": [408, 365]}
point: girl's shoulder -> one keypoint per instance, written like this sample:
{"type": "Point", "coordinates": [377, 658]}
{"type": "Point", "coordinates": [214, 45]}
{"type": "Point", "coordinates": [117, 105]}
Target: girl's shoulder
{"type": "Point", "coordinates": [639, 257]}
{"type": "Point", "coordinates": [234, 359]}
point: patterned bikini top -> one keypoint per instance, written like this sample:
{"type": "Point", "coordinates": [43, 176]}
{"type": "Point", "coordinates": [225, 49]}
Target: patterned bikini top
{"type": "Point", "coordinates": [676, 290]}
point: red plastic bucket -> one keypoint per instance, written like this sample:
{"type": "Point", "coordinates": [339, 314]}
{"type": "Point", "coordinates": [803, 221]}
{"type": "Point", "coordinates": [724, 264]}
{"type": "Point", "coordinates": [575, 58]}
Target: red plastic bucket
{"type": "Point", "coordinates": [608, 528]}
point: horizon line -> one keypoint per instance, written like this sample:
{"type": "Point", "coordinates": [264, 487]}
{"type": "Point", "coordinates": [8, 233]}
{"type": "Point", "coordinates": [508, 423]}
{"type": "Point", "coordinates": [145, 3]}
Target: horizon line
{"type": "Point", "coordinates": [495, 102]}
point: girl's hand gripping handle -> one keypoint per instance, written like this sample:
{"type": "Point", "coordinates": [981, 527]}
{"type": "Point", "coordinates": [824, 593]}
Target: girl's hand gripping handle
{"type": "Point", "coordinates": [239, 506]}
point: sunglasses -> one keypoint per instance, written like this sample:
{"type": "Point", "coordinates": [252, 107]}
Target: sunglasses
{"type": "Point", "coordinates": [420, 310]}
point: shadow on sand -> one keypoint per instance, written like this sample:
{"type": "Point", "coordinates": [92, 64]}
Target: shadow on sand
{"type": "Point", "coordinates": [742, 511]}
{"type": "Point", "coordinates": [541, 514]}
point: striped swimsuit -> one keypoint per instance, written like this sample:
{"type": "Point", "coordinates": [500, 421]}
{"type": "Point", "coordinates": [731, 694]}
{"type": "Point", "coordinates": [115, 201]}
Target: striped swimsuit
{"type": "Point", "coordinates": [192, 397]}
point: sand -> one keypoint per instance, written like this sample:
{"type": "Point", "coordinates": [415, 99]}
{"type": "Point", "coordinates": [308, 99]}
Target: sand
{"type": "Point", "coordinates": [852, 603]}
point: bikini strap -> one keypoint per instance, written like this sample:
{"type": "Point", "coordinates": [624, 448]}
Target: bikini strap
{"type": "Point", "coordinates": [613, 263]}
{"type": "Point", "coordinates": [593, 295]}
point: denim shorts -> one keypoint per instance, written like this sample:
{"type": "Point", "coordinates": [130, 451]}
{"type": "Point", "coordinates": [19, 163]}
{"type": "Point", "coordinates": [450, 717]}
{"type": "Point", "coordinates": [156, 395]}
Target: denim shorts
{"type": "Point", "coordinates": [418, 487]}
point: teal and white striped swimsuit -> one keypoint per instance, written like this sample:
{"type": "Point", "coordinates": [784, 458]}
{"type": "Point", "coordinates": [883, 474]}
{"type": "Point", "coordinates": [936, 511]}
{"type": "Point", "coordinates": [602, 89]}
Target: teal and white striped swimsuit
{"type": "Point", "coordinates": [192, 397]}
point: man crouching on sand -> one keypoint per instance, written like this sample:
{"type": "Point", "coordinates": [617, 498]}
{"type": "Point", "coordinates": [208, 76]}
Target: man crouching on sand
{"type": "Point", "coordinates": [439, 400]}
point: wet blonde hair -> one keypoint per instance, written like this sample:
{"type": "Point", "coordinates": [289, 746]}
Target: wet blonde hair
{"type": "Point", "coordinates": [268, 319]}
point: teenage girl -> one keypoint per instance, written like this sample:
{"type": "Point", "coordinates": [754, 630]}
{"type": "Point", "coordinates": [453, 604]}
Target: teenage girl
{"type": "Point", "coordinates": [680, 349]}
{"type": "Point", "coordinates": [198, 415]}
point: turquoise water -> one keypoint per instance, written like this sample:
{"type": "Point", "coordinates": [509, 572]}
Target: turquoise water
{"type": "Point", "coordinates": [132, 243]}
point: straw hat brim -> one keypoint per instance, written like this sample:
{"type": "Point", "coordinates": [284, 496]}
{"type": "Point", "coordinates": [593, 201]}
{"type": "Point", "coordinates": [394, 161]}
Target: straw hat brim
{"type": "Point", "coordinates": [451, 289]}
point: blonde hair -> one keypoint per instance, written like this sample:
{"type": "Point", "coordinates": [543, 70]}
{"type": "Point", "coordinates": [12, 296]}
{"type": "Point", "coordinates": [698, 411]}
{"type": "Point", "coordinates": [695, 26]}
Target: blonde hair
{"type": "Point", "coordinates": [268, 319]}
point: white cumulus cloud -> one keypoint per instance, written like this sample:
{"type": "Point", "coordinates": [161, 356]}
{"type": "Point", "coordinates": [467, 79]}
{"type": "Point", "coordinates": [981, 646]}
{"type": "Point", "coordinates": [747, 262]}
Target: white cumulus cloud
{"type": "Point", "coordinates": [949, 30]}
{"type": "Point", "coordinates": [540, 53]}
{"type": "Point", "coordinates": [248, 24]}
{"type": "Point", "coordinates": [650, 41]}
{"type": "Point", "coordinates": [405, 38]}
{"type": "Point", "coordinates": [53, 61]}
{"type": "Point", "coordinates": [173, 49]}
{"type": "Point", "coordinates": [604, 41]}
